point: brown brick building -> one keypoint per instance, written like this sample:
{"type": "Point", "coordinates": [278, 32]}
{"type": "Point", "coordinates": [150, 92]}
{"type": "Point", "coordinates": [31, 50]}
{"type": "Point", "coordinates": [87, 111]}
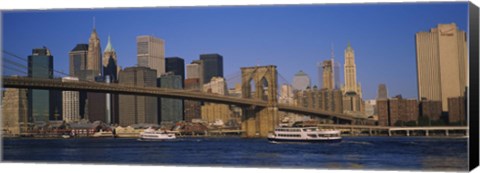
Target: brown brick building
{"type": "Point", "coordinates": [456, 110]}
{"type": "Point", "coordinates": [324, 99]}
{"type": "Point", "coordinates": [431, 109]}
{"type": "Point", "coordinates": [382, 106]}
{"type": "Point", "coordinates": [397, 109]}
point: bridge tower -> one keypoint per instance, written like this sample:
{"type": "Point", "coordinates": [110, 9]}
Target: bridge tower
{"type": "Point", "coordinates": [259, 121]}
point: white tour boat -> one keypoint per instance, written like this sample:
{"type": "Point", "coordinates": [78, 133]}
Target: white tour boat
{"type": "Point", "coordinates": [304, 134]}
{"type": "Point", "coordinates": [152, 134]}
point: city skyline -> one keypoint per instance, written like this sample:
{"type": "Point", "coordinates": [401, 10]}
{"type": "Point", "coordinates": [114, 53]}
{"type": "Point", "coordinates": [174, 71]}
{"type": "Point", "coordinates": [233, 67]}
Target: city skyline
{"type": "Point", "coordinates": [284, 37]}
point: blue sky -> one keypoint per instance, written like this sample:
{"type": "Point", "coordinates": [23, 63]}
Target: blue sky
{"type": "Point", "coordinates": [292, 37]}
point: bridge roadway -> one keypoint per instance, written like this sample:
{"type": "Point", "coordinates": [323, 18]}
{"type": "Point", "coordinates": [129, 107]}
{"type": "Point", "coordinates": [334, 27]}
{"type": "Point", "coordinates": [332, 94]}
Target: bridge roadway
{"type": "Point", "coordinates": [57, 84]}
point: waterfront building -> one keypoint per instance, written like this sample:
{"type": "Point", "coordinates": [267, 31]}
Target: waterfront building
{"type": "Point", "coordinates": [40, 65]}
{"type": "Point", "coordinates": [96, 104]}
{"type": "Point", "coordinates": [323, 99]}
{"type": "Point", "coordinates": [397, 111]}
{"type": "Point", "coordinates": [56, 107]}
{"type": "Point", "coordinates": [151, 53]}
{"type": "Point", "coordinates": [94, 58]}
{"type": "Point", "coordinates": [212, 66]}
{"type": "Point", "coordinates": [192, 108]}
{"type": "Point", "coordinates": [78, 59]}
{"type": "Point", "coordinates": [211, 112]}
{"type": "Point", "coordinates": [301, 81]}
{"type": "Point", "coordinates": [457, 110]}
{"type": "Point", "coordinates": [171, 110]}
{"type": "Point", "coordinates": [78, 68]}
{"type": "Point", "coordinates": [71, 103]}
{"type": "Point", "coordinates": [286, 95]}
{"type": "Point", "coordinates": [177, 66]}
{"type": "Point", "coordinates": [14, 111]}
{"type": "Point", "coordinates": [441, 63]}
{"type": "Point", "coordinates": [370, 108]}
{"type": "Point", "coordinates": [431, 109]}
{"type": "Point", "coordinates": [382, 110]}
{"type": "Point", "coordinates": [137, 109]}
{"type": "Point", "coordinates": [353, 103]}
{"type": "Point", "coordinates": [382, 92]}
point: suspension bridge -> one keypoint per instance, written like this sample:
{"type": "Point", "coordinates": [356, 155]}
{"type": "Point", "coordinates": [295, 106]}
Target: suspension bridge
{"type": "Point", "coordinates": [258, 101]}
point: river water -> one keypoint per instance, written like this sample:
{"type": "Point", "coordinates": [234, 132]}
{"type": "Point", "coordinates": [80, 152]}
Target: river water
{"type": "Point", "coordinates": [378, 153]}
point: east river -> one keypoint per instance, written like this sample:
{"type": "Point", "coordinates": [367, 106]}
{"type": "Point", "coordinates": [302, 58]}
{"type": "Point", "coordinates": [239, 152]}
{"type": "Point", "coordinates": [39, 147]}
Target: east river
{"type": "Point", "coordinates": [377, 153]}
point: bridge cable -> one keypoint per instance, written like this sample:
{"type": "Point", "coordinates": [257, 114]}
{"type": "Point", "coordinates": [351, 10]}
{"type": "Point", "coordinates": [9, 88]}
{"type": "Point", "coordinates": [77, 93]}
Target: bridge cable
{"type": "Point", "coordinates": [23, 59]}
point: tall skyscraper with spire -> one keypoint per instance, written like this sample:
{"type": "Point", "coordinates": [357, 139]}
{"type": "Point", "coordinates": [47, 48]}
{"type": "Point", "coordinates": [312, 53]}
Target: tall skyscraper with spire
{"type": "Point", "coordinates": [352, 91]}
{"type": "Point", "coordinates": [110, 71]}
{"type": "Point", "coordinates": [350, 70]}
{"type": "Point", "coordinates": [110, 65]}
{"type": "Point", "coordinates": [94, 58]}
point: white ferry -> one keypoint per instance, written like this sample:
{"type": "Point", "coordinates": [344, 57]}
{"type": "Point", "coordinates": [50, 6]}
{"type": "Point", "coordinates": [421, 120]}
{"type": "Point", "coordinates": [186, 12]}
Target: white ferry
{"type": "Point", "coordinates": [152, 134]}
{"type": "Point", "coordinates": [304, 134]}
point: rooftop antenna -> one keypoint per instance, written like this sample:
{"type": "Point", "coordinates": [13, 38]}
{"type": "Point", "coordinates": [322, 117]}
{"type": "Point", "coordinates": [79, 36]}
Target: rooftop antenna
{"type": "Point", "coordinates": [331, 49]}
{"type": "Point", "coordinates": [93, 22]}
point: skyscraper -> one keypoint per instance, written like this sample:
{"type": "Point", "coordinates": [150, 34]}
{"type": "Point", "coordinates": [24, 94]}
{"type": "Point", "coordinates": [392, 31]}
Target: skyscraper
{"type": "Point", "coordinates": [171, 110]}
{"type": "Point", "coordinates": [151, 53]}
{"type": "Point", "coordinates": [441, 63]}
{"type": "Point", "coordinates": [94, 59]}
{"type": "Point", "coordinates": [301, 81]}
{"type": "Point", "coordinates": [350, 69]}
{"type": "Point", "coordinates": [110, 65]}
{"type": "Point", "coordinates": [328, 75]}
{"type": "Point", "coordinates": [352, 91]}
{"type": "Point", "coordinates": [97, 104]}
{"type": "Point", "coordinates": [175, 65]}
{"type": "Point", "coordinates": [195, 71]}
{"type": "Point", "coordinates": [78, 59]}
{"type": "Point", "coordinates": [137, 109]}
{"type": "Point", "coordinates": [110, 70]}
{"type": "Point", "coordinates": [212, 66]}
{"type": "Point", "coordinates": [78, 68]}
{"type": "Point", "coordinates": [382, 92]}
{"type": "Point", "coordinates": [71, 105]}
{"type": "Point", "coordinates": [40, 65]}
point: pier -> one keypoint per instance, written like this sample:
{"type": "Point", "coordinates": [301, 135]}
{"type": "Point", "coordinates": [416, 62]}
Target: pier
{"type": "Point", "coordinates": [359, 130]}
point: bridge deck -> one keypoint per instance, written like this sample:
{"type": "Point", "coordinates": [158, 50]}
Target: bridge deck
{"type": "Point", "coordinates": [57, 84]}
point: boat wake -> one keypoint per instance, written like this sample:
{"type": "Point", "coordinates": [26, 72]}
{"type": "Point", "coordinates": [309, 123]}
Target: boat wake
{"type": "Point", "coordinates": [358, 142]}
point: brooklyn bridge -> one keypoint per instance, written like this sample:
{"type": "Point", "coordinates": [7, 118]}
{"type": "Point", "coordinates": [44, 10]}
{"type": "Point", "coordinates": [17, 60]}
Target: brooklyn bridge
{"type": "Point", "coordinates": [260, 108]}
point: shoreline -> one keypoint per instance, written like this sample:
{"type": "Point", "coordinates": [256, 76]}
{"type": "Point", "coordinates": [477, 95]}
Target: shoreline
{"type": "Point", "coordinates": [240, 136]}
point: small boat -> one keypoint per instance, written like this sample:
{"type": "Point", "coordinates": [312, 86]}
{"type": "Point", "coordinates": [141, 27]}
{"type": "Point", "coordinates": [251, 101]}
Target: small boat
{"type": "Point", "coordinates": [66, 136]}
{"type": "Point", "coordinates": [103, 134]}
{"type": "Point", "coordinates": [151, 134]}
{"type": "Point", "coordinates": [304, 134]}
